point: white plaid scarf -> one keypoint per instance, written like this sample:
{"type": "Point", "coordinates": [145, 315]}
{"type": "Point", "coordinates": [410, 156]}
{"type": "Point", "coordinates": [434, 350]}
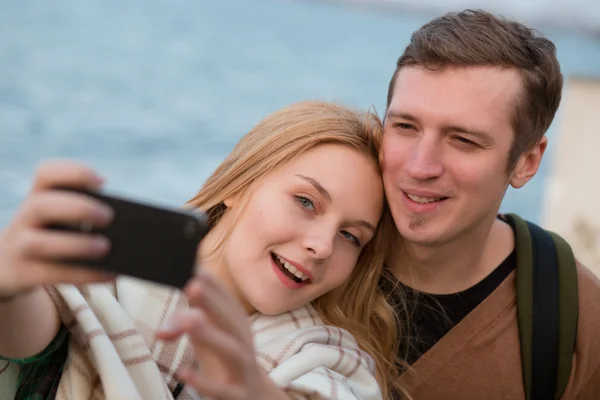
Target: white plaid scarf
{"type": "Point", "coordinates": [113, 354]}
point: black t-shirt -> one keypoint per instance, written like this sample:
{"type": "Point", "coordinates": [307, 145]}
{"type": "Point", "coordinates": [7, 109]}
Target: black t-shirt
{"type": "Point", "coordinates": [432, 316]}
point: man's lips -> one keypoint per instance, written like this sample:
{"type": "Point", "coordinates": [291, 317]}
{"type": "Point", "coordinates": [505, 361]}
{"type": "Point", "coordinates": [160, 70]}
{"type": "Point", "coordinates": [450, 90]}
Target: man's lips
{"type": "Point", "coordinates": [424, 197]}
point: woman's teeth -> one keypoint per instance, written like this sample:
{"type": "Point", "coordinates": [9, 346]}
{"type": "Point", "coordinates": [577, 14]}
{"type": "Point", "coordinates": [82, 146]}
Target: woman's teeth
{"type": "Point", "coordinates": [293, 270]}
{"type": "Point", "coordinates": [423, 200]}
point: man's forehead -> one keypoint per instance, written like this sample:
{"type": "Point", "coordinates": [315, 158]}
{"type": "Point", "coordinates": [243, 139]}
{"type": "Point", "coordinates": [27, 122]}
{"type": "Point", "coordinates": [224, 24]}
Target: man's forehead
{"type": "Point", "coordinates": [482, 77]}
{"type": "Point", "coordinates": [454, 90]}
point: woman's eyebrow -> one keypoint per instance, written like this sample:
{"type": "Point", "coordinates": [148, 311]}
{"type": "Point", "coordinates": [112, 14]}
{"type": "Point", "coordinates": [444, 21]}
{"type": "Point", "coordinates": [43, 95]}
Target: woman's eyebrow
{"type": "Point", "coordinates": [317, 186]}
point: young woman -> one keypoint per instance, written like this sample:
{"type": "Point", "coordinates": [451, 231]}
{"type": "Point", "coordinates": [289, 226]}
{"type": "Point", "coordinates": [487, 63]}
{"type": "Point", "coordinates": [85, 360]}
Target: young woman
{"type": "Point", "coordinates": [298, 224]}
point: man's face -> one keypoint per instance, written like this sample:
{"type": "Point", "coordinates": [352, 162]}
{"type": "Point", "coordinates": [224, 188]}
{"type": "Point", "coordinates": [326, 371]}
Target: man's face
{"type": "Point", "coordinates": [447, 136]}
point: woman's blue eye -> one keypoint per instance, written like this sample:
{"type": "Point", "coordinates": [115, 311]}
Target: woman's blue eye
{"type": "Point", "coordinates": [305, 202]}
{"type": "Point", "coordinates": [351, 238]}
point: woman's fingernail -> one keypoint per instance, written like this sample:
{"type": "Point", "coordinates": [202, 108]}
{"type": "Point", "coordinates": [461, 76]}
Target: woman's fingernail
{"type": "Point", "coordinates": [103, 214]}
{"type": "Point", "coordinates": [168, 327]}
{"type": "Point", "coordinates": [100, 245]}
{"type": "Point", "coordinates": [97, 180]}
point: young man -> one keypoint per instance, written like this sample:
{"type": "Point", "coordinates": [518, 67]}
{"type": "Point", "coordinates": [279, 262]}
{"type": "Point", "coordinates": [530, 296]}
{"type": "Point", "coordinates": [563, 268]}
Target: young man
{"type": "Point", "coordinates": [468, 107]}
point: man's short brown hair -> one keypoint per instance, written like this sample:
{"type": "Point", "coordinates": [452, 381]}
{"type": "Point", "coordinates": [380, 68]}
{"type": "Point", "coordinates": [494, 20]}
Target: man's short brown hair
{"type": "Point", "coordinates": [478, 38]}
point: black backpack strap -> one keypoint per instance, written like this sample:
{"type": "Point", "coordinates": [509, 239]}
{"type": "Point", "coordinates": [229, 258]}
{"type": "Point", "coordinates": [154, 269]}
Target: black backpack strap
{"type": "Point", "coordinates": [546, 307]}
{"type": "Point", "coordinates": [568, 311]}
{"type": "Point", "coordinates": [545, 325]}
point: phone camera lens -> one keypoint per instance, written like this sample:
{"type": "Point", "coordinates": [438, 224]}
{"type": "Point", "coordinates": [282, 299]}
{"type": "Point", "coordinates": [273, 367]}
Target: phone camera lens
{"type": "Point", "coordinates": [190, 229]}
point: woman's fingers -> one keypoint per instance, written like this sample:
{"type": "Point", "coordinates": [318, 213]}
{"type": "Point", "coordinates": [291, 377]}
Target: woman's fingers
{"type": "Point", "coordinates": [42, 274]}
{"type": "Point", "coordinates": [229, 349]}
{"type": "Point", "coordinates": [29, 253]}
{"type": "Point", "coordinates": [223, 359]}
{"type": "Point", "coordinates": [209, 387]}
{"type": "Point", "coordinates": [65, 173]}
{"type": "Point", "coordinates": [227, 366]}
{"type": "Point", "coordinates": [204, 334]}
{"type": "Point", "coordinates": [64, 208]}
{"type": "Point", "coordinates": [45, 244]}
{"type": "Point", "coordinates": [219, 305]}
{"type": "Point", "coordinates": [176, 325]}
{"type": "Point", "coordinates": [50, 274]}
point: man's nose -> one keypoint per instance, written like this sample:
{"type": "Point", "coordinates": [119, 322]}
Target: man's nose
{"type": "Point", "coordinates": [425, 161]}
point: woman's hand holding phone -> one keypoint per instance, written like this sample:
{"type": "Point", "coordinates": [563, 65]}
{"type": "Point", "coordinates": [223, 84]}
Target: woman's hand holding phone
{"type": "Point", "coordinates": [30, 253]}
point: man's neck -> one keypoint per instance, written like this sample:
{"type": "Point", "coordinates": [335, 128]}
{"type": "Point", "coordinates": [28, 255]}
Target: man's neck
{"type": "Point", "coordinates": [456, 265]}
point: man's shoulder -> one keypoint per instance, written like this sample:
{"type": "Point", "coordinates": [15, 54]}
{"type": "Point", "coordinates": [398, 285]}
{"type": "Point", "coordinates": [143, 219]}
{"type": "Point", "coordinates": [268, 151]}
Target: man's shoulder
{"type": "Point", "coordinates": [589, 305]}
{"type": "Point", "coordinates": [588, 324]}
{"type": "Point", "coordinates": [589, 288]}
{"type": "Point", "coordinates": [587, 346]}
{"type": "Point", "coordinates": [588, 281]}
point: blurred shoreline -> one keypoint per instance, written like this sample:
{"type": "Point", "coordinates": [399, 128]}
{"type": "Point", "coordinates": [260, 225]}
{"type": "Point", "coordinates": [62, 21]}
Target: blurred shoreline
{"type": "Point", "coordinates": [573, 190]}
{"type": "Point", "coordinates": [590, 26]}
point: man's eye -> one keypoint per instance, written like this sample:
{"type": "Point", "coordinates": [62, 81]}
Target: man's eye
{"type": "Point", "coordinates": [403, 125]}
{"type": "Point", "coordinates": [466, 141]}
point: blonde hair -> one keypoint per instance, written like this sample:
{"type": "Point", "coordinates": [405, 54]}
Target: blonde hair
{"type": "Point", "coordinates": [276, 140]}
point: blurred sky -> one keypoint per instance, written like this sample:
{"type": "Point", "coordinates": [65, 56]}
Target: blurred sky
{"type": "Point", "coordinates": [573, 14]}
{"type": "Point", "coordinates": [154, 94]}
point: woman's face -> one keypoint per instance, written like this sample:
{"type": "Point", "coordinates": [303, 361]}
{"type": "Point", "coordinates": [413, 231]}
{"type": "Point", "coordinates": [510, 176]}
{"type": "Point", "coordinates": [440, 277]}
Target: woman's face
{"type": "Point", "coordinates": [302, 230]}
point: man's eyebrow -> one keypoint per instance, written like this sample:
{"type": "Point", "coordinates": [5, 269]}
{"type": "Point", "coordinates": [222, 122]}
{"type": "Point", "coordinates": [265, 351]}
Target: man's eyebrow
{"type": "Point", "coordinates": [327, 196]}
{"type": "Point", "coordinates": [317, 186]}
{"type": "Point", "coordinates": [399, 114]}
{"type": "Point", "coordinates": [450, 128]}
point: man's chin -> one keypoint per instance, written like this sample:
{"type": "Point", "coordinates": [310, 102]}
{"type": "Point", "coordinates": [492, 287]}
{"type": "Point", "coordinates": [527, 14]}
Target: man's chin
{"type": "Point", "coordinates": [422, 231]}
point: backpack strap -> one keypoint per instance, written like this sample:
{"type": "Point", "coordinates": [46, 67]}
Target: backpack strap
{"type": "Point", "coordinates": [547, 308]}
{"type": "Point", "coordinates": [568, 311]}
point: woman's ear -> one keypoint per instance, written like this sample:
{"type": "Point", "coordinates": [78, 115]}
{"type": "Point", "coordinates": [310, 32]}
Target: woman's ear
{"type": "Point", "coordinates": [239, 199]}
{"type": "Point", "coordinates": [230, 202]}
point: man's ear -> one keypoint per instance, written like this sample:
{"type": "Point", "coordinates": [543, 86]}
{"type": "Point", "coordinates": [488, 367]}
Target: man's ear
{"type": "Point", "coordinates": [528, 164]}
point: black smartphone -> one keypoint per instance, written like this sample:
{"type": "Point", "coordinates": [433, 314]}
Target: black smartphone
{"type": "Point", "coordinates": [149, 242]}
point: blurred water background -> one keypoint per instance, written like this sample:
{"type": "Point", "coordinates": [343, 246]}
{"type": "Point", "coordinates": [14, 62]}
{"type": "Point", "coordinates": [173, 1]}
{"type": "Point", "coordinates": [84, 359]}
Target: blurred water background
{"type": "Point", "coordinates": [154, 93]}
